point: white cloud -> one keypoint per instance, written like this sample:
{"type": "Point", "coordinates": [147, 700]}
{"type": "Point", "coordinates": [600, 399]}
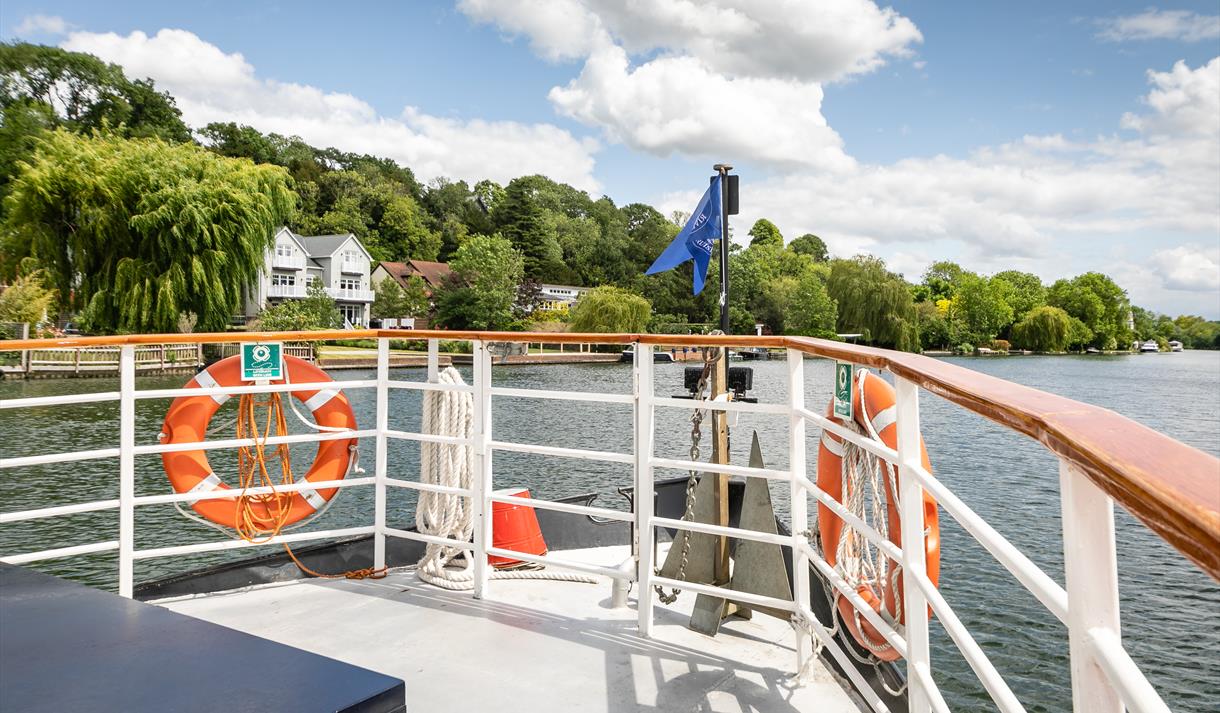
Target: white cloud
{"type": "Point", "coordinates": [678, 104]}
{"type": "Point", "coordinates": [729, 77]}
{"type": "Point", "coordinates": [212, 85]}
{"type": "Point", "coordinates": [41, 25]}
{"type": "Point", "coordinates": [809, 41]}
{"type": "Point", "coordinates": [1154, 24]}
{"type": "Point", "coordinates": [1192, 268]}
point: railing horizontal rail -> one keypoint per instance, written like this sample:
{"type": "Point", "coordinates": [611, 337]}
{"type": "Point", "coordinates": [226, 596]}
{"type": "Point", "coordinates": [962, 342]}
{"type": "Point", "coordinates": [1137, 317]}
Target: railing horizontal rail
{"type": "Point", "coordinates": [735, 532]}
{"type": "Point", "coordinates": [1133, 687]}
{"type": "Point", "coordinates": [62, 552]}
{"type": "Point", "coordinates": [43, 513]}
{"type": "Point", "coordinates": [242, 544]}
{"type": "Point", "coordinates": [876, 448]}
{"type": "Point", "coordinates": [590, 396]}
{"type": "Point", "coordinates": [429, 539]}
{"type": "Point", "coordinates": [561, 563]}
{"type": "Point", "coordinates": [845, 590]}
{"type": "Point", "coordinates": [580, 453]}
{"type": "Point", "coordinates": [227, 493]}
{"type": "Point", "coordinates": [34, 401]}
{"type": "Point", "coordinates": [253, 389]}
{"type": "Point", "coordinates": [48, 458]}
{"type": "Point", "coordinates": [428, 386]}
{"type": "Point", "coordinates": [1045, 589]}
{"type": "Point", "coordinates": [605, 513]}
{"type": "Point", "coordinates": [888, 548]}
{"type": "Point", "coordinates": [429, 438]}
{"type": "Point", "coordinates": [247, 442]}
{"type": "Point", "coordinates": [679, 464]}
{"type": "Point", "coordinates": [429, 487]}
{"type": "Point", "coordinates": [740, 406]}
{"type": "Point", "coordinates": [757, 600]}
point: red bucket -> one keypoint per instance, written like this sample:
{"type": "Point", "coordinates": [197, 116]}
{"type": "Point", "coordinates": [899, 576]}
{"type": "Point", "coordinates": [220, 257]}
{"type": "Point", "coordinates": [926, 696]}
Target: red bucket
{"type": "Point", "coordinates": [514, 527]}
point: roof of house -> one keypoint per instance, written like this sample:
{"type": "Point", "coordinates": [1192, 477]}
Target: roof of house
{"type": "Point", "coordinates": [433, 273]}
{"type": "Point", "coordinates": [323, 245]}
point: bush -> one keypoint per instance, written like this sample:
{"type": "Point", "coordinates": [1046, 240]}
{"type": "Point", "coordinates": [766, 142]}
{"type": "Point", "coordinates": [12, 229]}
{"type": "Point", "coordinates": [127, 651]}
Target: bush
{"type": "Point", "coordinates": [1001, 345]}
{"type": "Point", "coordinates": [964, 349]}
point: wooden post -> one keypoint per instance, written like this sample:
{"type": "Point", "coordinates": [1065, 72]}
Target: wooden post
{"type": "Point", "coordinates": [720, 454]}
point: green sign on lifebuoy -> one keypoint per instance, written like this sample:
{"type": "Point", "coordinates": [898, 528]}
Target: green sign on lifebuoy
{"type": "Point", "coordinates": [843, 382]}
{"type": "Point", "coordinates": [262, 360]}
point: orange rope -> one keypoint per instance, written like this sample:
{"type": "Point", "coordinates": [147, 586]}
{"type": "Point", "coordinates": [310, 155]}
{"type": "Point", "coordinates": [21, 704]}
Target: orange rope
{"type": "Point", "coordinates": [262, 517]}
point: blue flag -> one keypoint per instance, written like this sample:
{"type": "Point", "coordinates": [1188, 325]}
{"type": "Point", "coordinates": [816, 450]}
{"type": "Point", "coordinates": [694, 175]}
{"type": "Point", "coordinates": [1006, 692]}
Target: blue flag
{"type": "Point", "coordinates": [695, 241]}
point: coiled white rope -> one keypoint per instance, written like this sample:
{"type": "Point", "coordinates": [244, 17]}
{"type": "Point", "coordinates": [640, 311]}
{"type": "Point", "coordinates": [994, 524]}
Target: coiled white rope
{"type": "Point", "coordinates": [451, 413]}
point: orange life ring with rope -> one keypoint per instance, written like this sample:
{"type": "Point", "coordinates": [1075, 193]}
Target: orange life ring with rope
{"type": "Point", "coordinates": [189, 472]}
{"type": "Point", "coordinates": [876, 413]}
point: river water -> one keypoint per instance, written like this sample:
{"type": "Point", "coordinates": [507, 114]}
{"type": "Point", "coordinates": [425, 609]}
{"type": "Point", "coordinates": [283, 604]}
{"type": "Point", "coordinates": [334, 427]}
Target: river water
{"type": "Point", "coordinates": [1171, 610]}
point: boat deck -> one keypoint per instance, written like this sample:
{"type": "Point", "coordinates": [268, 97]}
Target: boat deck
{"type": "Point", "coordinates": [532, 646]}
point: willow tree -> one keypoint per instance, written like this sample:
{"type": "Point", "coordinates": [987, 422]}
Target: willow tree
{"type": "Point", "coordinates": [610, 309]}
{"type": "Point", "coordinates": [134, 233]}
{"type": "Point", "coordinates": [873, 302]}
{"type": "Point", "coordinates": [1044, 329]}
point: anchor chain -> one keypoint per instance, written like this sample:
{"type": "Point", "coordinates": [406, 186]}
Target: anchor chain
{"type": "Point", "coordinates": [711, 355]}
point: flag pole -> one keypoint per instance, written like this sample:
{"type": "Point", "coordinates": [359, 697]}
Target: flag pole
{"type": "Point", "coordinates": [723, 169]}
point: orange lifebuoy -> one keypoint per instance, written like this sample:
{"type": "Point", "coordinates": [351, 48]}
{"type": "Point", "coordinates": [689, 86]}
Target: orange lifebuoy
{"type": "Point", "coordinates": [879, 408]}
{"type": "Point", "coordinates": [187, 422]}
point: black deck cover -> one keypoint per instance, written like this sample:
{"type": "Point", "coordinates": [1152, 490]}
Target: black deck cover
{"type": "Point", "coordinates": [67, 647]}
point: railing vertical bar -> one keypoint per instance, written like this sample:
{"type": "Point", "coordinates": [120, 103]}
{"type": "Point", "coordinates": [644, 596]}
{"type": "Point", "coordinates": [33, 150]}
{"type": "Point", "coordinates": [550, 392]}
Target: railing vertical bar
{"type": "Point", "coordinates": [915, 604]}
{"type": "Point", "coordinates": [481, 483]}
{"type": "Point", "coordinates": [799, 503]}
{"type": "Point", "coordinates": [127, 469]}
{"type": "Point", "coordinates": [383, 425]}
{"type": "Point", "coordinates": [1090, 562]}
{"type": "Point", "coordinates": [643, 500]}
{"type": "Point", "coordinates": [434, 360]}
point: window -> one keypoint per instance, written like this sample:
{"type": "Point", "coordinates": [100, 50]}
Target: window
{"type": "Point", "coordinates": [348, 283]}
{"type": "Point", "coordinates": [283, 280]}
{"type": "Point", "coordinates": [283, 250]}
{"type": "Point", "coordinates": [353, 313]}
{"type": "Point", "coordinates": [310, 279]}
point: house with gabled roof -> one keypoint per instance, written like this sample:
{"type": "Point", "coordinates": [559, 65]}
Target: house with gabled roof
{"type": "Point", "coordinates": [434, 274]}
{"type": "Point", "coordinates": [295, 261]}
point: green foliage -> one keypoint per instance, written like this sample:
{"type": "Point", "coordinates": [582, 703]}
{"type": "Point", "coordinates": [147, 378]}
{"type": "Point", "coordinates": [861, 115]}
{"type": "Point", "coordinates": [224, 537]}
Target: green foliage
{"type": "Point", "coordinates": [813, 312]}
{"type": "Point", "coordinates": [1044, 329]}
{"type": "Point", "coordinates": [27, 300]}
{"type": "Point", "coordinates": [764, 232]}
{"type": "Point", "coordinates": [1079, 334]}
{"type": "Point", "coordinates": [941, 280]}
{"type": "Point", "coordinates": [487, 271]}
{"type": "Point", "coordinates": [811, 245]}
{"type": "Point", "coordinates": [874, 302]}
{"type": "Point", "coordinates": [1023, 291]}
{"type": "Point", "coordinates": [84, 93]}
{"type": "Point", "coordinates": [317, 311]}
{"type": "Point", "coordinates": [981, 307]}
{"type": "Point", "coordinates": [391, 300]}
{"type": "Point", "coordinates": [610, 309]}
{"type": "Point", "coordinates": [1100, 304]}
{"type": "Point", "coordinates": [140, 231]}
{"type": "Point", "coordinates": [520, 218]}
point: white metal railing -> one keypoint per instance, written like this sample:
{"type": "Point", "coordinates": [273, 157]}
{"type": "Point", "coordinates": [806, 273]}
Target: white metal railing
{"type": "Point", "coordinates": [296, 261]}
{"type": "Point", "coordinates": [287, 291]}
{"type": "Point", "coordinates": [347, 293]}
{"type": "Point", "coordinates": [1104, 678]}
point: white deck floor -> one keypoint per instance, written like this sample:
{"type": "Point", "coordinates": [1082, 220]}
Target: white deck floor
{"type": "Point", "coordinates": [532, 646]}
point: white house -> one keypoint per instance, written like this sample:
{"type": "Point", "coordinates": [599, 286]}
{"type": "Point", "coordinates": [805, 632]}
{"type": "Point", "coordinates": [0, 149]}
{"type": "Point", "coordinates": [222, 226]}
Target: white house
{"type": "Point", "coordinates": [559, 297]}
{"type": "Point", "coordinates": [295, 261]}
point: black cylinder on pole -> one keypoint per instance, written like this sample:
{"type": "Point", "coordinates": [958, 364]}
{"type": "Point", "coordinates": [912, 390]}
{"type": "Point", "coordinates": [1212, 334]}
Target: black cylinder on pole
{"type": "Point", "coordinates": [728, 186]}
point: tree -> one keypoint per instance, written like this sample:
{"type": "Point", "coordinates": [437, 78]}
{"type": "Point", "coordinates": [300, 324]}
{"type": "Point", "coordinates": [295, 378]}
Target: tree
{"type": "Point", "coordinates": [483, 288]}
{"type": "Point", "coordinates": [874, 302]}
{"type": "Point", "coordinates": [389, 300]}
{"type": "Point", "coordinates": [941, 279]}
{"type": "Point", "coordinates": [610, 309]}
{"type": "Point", "coordinates": [764, 232]}
{"type": "Point", "coordinates": [84, 93]}
{"type": "Point", "coordinates": [811, 245]}
{"type": "Point", "coordinates": [982, 307]}
{"type": "Point", "coordinates": [813, 312]}
{"type": "Point", "coordinates": [317, 311]}
{"type": "Point", "coordinates": [1099, 303]}
{"type": "Point", "coordinates": [520, 218]}
{"type": "Point", "coordinates": [137, 232]}
{"type": "Point", "coordinates": [1044, 329]}
{"type": "Point", "coordinates": [1023, 291]}
{"type": "Point", "coordinates": [26, 300]}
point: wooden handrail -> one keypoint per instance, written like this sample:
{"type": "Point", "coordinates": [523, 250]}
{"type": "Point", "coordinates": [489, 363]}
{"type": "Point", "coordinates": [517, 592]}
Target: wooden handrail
{"type": "Point", "coordinates": [1172, 488]}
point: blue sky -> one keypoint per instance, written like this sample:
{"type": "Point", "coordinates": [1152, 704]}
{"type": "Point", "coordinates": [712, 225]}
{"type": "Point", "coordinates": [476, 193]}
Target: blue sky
{"type": "Point", "coordinates": [907, 137]}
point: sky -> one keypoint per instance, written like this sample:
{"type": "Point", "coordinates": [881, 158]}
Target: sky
{"type": "Point", "coordinates": [1056, 138]}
